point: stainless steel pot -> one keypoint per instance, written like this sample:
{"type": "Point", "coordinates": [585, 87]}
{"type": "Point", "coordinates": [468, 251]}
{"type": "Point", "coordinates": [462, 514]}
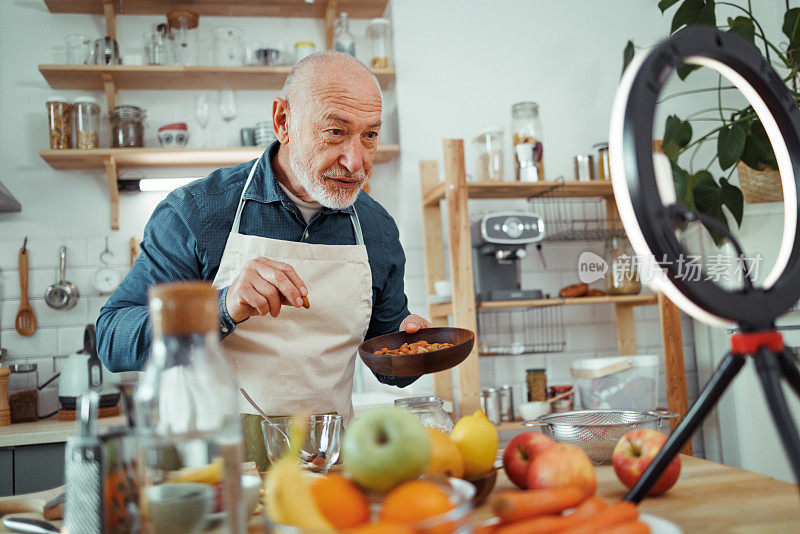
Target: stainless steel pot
{"type": "Point", "coordinates": [62, 295]}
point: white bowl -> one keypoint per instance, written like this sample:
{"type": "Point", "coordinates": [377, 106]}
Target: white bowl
{"type": "Point", "coordinates": [532, 410]}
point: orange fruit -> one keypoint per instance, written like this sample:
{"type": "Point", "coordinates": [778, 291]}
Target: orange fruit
{"type": "Point", "coordinates": [382, 528]}
{"type": "Point", "coordinates": [445, 457]}
{"type": "Point", "coordinates": [340, 501]}
{"type": "Point", "coordinates": [414, 501]}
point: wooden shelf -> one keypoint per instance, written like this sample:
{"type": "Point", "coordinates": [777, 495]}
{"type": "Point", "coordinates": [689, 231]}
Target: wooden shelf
{"type": "Point", "coordinates": [225, 8]}
{"type": "Point", "coordinates": [597, 188]}
{"type": "Point", "coordinates": [157, 77]}
{"type": "Point", "coordinates": [443, 309]}
{"type": "Point", "coordinates": [166, 157]}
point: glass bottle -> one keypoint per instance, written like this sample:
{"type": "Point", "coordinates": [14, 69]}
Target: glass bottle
{"type": "Point", "coordinates": [188, 414]}
{"type": "Point", "coordinates": [430, 411]}
{"type": "Point", "coordinates": [343, 40]}
{"type": "Point", "coordinates": [622, 277]}
{"type": "Point", "coordinates": [526, 127]}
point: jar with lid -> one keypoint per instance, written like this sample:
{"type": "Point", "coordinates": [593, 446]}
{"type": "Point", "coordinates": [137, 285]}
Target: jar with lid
{"type": "Point", "coordinates": [603, 171]}
{"type": "Point", "coordinates": [59, 115]}
{"type": "Point", "coordinates": [379, 37]}
{"type": "Point", "coordinates": [183, 26]}
{"type": "Point", "coordinates": [303, 49]}
{"type": "Point", "coordinates": [430, 411]}
{"type": "Point", "coordinates": [227, 46]}
{"type": "Point", "coordinates": [537, 384]}
{"type": "Point", "coordinates": [180, 425]}
{"type": "Point", "coordinates": [23, 392]}
{"type": "Point", "coordinates": [86, 117]}
{"type": "Point", "coordinates": [343, 40]}
{"type": "Point", "coordinates": [127, 126]}
{"type": "Point", "coordinates": [622, 277]}
{"type": "Point", "coordinates": [526, 127]}
{"type": "Point", "coordinates": [489, 155]}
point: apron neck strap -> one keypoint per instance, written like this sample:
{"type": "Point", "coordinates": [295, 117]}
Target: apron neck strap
{"type": "Point", "coordinates": [237, 220]}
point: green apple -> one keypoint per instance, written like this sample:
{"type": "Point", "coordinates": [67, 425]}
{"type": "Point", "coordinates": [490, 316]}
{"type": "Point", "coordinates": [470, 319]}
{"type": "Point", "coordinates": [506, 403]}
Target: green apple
{"type": "Point", "coordinates": [384, 447]}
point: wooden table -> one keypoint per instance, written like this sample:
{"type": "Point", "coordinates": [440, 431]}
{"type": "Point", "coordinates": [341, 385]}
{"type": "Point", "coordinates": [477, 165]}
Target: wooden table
{"type": "Point", "coordinates": [709, 497]}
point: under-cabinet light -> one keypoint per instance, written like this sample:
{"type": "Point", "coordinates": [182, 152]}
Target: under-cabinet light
{"type": "Point", "coordinates": [154, 184]}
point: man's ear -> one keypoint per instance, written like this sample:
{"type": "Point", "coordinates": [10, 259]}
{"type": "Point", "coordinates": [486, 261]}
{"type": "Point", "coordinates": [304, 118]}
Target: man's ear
{"type": "Point", "coordinates": [281, 120]}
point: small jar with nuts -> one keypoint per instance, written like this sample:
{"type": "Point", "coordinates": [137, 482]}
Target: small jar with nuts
{"type": "Point", "coordinates": [59, 115]}
{"type": "Point", "coordinates": [86, 117]}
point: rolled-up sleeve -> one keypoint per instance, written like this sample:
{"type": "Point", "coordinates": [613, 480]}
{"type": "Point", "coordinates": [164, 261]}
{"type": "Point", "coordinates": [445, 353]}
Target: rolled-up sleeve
{"type": "Point", "coordinates": [168, 253]}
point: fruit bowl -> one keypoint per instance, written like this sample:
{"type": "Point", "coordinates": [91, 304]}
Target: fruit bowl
{"type": "Point", "coordinates": [422, 363]}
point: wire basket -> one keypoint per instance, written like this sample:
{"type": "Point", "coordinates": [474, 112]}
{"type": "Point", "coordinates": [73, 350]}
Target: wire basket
{"type": "Point", "coordinates": [511, 331]}
{"type": "Point", "coordinates": [597, 431]}
{"type": "Point", "coordinates": [575, 219]}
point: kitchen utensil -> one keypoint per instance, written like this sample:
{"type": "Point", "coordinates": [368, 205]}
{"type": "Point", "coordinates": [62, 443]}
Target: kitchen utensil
{"type": "Point", "coordinates": [179, 507]}
{"type": "Point", "coordinates": [303, 454]}
{"type": "Point", "coordinates": [533, 409]}
{"type": "Point", "coordinates": [318, 452]}
{"type": "Point", "coordinates": [78, 48]}
{"type": "Point", "coordinates": [159, 46]}
{"type": "Point", "coordinates": [583, 165]}
{"type": "Point", "coordinates": [83, 371]}
{"type": "Point", "coordinates": [25, 323]}
{"type": "Point", "coordinates": [526, 162]}
{"type": "Point", "coordinates": [106, 278]}
{"type": "Point", "coordinates": [247, 136]}
{"type": "Point", "coordinates": [264, 133]}
{"type": "Point", "coordinates": [29, 525]}
{"type": "Point", "coordinates": [83, 472]}
{"type": "Point", "coordinates": [227, 46]}
{"type": "Point", "coordinates": [105, 52]}
{"type": "Point", "coordinates": [597, 431]}
{"type": "Point", "coordinates": [62, 295]}
{"type": "Point", "coordinates": [5, 412]}
{"type": "Point", "coordinates": [418, 364]}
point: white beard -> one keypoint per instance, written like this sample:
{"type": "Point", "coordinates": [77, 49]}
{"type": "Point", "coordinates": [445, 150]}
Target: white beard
{"type": "Point", "coordinates": [330, 198]}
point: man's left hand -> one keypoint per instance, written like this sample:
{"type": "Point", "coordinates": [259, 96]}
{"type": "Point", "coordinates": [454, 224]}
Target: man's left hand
{"type": "Point", "coordinates": [413, 323]}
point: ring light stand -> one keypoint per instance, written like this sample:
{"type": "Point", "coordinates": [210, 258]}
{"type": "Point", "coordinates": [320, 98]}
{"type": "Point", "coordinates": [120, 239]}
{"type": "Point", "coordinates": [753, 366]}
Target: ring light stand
{"type": "Point", "coordinates": [650, 214]}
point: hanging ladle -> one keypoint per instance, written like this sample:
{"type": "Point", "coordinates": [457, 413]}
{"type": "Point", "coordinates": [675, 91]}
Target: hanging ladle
{"type": "Point", "coordinates": [303, 454]}
{"type": "Point", "coordinates": [62, 295]}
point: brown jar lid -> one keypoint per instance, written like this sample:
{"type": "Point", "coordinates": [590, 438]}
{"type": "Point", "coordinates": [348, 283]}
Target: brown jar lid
{"type": "Point", "coordinates": [183, 308]}
{"type": "Point", "coordinates": [182, 17]}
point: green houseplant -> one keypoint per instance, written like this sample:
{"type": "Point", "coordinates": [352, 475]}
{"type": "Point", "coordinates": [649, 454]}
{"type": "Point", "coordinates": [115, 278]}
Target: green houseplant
{"type": "Point", "coordinates": [739, 136]}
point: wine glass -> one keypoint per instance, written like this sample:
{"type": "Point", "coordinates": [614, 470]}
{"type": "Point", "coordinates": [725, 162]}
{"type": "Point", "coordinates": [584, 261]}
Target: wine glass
{"type": "Point", "coordinates": [227, 105]}
{"type": "Point", "coordinates": [202, 111]}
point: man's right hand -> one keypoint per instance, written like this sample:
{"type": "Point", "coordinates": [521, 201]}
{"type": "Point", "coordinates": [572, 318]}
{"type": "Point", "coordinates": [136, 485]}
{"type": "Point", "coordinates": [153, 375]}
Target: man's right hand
{"type": "Point", "coordinates": [262, 287]}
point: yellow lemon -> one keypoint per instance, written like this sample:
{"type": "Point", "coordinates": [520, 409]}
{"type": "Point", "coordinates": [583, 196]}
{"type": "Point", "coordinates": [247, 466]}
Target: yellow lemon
{"type": "Point", "coordinates": [445, 457]}
{"type": "Point", "coordinates": [476, 439]}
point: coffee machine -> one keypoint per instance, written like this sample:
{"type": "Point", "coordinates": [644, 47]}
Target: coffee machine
{"type": "Point", "coordinates": [499, 241]}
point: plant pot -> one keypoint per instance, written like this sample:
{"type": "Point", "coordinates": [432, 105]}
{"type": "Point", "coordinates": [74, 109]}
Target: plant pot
{"type": "Point", "coordinates": [759, 186]}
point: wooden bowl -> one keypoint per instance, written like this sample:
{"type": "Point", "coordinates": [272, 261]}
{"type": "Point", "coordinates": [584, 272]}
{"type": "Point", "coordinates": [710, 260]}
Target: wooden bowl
{"type": "Point", "coordinates": [418, 364]}
{"type": "Point", "coordinates": [483, 486]}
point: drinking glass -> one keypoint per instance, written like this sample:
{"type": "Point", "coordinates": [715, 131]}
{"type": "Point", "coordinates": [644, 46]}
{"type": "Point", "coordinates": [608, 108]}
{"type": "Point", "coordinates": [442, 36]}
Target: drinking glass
{"type": "Point", "coordinates": [227, 106]}
{"type": "Point", "coordinates": [202, 112]}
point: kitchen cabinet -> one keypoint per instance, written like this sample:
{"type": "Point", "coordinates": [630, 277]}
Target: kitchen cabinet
{"type": "Point", "coordinates": [6, 472]}
{"type": "Point", "coordinates": [453, 193]}
{"type": "Point", "coordinates": [30, 468]}
{"type": "Point", "coordinates": [113, 78]}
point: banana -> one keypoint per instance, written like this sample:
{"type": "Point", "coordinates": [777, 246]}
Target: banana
{"type": "Point", "coordinates": [288, 490]}
{"type": "Point", "coordinates": [209, 474]}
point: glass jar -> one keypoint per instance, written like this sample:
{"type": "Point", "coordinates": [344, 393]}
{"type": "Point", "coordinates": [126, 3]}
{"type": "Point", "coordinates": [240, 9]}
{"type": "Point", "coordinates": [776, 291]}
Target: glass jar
{"type": "Point", "coordinates": [527, 128]}
{"type": "Point", "coordinates": [303, 49]}
{"type": "Point", "coordinates": [159, 46]}
{"type": "Point", "coordinates": [603, 171]}
{"type": "Point", "coordinates": [379, 36]}
{"type": "Point", "coordinates": [59, 115]}
{"type": "Point", "coordinates": [430, 411]}
{"type": "Point", "coordinates": [227, 46]}
{"type": "Point", "coordinates": [342, 38]}
{"type": "Point", "coordinates": [183, 26]}
{"type": "Point", "coordinates": [127, 126]}
{"type": "Point", "coordinates": [622, 277]}
{"type": "Point", "coordinates": [187, 409]}
{"type": "Point", "coordinates": [23, 392]}
{"type": "Point", "coordinates": [489, 155]}
{"type": "Point", "coordinates": [86, 117]}
{"type": "Point", "coordinates": [537, 384]}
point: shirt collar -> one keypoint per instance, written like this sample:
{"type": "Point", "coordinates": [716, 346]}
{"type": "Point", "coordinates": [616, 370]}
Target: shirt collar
{"type": "Point", "coordinates": [264, 186]}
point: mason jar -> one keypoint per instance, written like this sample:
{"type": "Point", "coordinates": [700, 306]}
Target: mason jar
{"type": "Point", "coordinates": [86, 117]}
{"type": "Point", "coordinates": [429, 410]}
{"type": "Point", "coordinates": [59, 116]}
{"type": "Point", "coordinates": [127, 127]}
{"type": "Point", "coordinates": [526, 127]}
{"type": "Point", "coordinates": [622, 277]}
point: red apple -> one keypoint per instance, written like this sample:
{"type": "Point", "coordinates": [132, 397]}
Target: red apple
{"type": "Point", "coordinates": [519, 453]}
{"type": "Point", "coordinates": [634, 452]}
{"type": "Point", "coordinates": [562, 465]}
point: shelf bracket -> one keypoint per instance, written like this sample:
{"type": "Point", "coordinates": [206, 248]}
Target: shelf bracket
{"type": "Point", "coordinates": [330, 18]}
{"type": "Point", "coordinates": [111, 91]}
{"type": "Point", "coordinates": [110, 15]}
{"type": "Point", "coordinates": [113, 193]}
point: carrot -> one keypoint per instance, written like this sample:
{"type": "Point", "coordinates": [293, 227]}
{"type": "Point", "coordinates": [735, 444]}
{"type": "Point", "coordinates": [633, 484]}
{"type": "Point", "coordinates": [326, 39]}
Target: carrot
{"type": "Point", "coordinates": [631, 527]}
{"type": "Point", "coordinates": [616, 514]}
{"type": "Point", "coordinates": [512, 505]}
{"type": "Point", "coordinates": [548, 524]}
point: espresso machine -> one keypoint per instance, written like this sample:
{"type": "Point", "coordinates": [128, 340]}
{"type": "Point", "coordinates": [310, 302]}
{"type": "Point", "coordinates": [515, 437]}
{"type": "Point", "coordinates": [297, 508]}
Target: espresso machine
{"type": "Point", "coordinates": [499, 241]}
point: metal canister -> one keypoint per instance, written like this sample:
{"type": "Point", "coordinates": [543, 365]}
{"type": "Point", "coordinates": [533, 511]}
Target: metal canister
{"type": "Point", "coordinates": [506, 395]}
{"type": "Point", "coordinates": [490, 404]}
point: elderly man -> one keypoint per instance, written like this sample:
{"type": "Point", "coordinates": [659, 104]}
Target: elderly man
{"type": "Point", "coordinates": [307, 265]}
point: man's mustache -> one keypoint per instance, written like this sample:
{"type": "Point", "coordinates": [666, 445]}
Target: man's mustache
{"type": "Point", "coordinates": [342, 174]}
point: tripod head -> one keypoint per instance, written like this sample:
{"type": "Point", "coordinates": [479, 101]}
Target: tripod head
{"type": "Point", "coordinates": [645, 192]}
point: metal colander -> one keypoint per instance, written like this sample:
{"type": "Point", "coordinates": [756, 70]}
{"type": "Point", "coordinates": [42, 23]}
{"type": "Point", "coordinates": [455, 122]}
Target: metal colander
{"type": "Point", "coordinates": [597, 431]}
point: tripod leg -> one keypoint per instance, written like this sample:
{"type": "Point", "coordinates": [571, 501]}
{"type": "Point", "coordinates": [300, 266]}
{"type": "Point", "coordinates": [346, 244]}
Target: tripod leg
{"type": "Point", "coordinates": [789, 369]}
{"type": "Point", "coordinates": [724, 374]}
{"type": "Point", "coordinates": [769, 371]}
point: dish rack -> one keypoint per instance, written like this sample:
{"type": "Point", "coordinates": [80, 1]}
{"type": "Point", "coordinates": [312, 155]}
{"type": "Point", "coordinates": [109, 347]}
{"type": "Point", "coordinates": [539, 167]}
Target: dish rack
{"type": "Point", "coordinates": [575, 219]}
{"type": "Point", "coordinates": [511, 331]}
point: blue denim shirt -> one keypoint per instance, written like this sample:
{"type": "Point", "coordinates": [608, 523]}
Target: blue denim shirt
{"type": "Point", "coordinates": [186, 235]}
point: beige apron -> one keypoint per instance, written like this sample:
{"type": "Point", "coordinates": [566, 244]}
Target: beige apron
{"type": "Point", "coordinates": [302, 360]}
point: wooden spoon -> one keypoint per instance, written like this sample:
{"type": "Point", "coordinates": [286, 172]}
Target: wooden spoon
{"type": "Point", "coordinates": [25, 322]}
{"type": "Point", "coordinates": [559, 396]}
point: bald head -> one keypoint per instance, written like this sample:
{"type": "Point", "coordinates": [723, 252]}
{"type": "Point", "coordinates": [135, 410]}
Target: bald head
{"type": "Point", "coordinates": [322, 69]}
